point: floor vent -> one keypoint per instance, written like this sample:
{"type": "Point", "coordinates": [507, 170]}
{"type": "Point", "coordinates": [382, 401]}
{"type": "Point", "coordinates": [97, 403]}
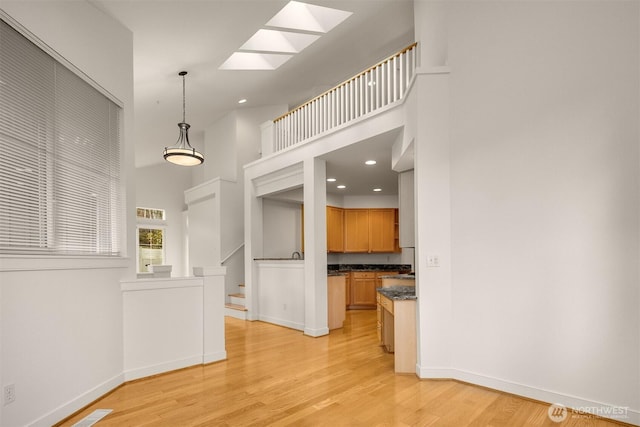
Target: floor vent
{"type": "Point", "coordinates": [93, 418]}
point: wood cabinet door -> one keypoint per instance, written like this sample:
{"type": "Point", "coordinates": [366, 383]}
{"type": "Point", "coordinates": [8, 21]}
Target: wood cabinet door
{"type": "Point", "coordinates": [363, 293]}
{"type": "Point", "coordinates": [347, 290]}
{"type": "Point", "coordinates": [356, 230]}
{"type": "Point", "coordinates": [382, 230]}
{"type": "Point", "coordinates": [335, 229]}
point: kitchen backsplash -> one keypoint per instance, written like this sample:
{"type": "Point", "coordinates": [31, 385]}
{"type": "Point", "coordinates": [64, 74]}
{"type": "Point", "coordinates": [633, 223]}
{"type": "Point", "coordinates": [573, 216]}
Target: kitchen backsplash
{"type": "Point", "coordinates": [406, 257]}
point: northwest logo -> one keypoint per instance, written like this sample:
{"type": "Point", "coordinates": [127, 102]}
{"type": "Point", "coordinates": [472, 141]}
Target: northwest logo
{"type": "Point", "coordinates": [557, 413]}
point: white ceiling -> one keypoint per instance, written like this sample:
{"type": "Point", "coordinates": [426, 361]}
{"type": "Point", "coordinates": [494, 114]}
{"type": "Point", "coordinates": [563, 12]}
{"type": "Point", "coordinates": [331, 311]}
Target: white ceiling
{"type": "Point", "coordinates": [198, 36]}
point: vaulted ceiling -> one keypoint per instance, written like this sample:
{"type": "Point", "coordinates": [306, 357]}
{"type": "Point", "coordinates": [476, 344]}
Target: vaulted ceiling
{"type": "Point", "coordinates": [198, 36]}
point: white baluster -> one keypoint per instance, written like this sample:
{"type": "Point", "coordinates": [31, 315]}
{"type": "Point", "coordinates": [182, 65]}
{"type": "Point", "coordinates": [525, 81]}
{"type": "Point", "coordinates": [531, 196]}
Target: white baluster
{"type": "Point", "coordinates": [377, 86]}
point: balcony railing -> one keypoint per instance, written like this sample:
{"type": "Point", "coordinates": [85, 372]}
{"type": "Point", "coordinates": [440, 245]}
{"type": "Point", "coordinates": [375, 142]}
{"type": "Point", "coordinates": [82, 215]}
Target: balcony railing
{"type": "Point", "coordinates": [373, 89]}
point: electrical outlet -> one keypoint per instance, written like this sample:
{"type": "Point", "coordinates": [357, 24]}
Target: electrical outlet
{"type": "Point", "coordinates": [9, 393]}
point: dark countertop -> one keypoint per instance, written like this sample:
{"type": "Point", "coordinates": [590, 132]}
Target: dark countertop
{"type": "Point", "coordinates": [399, 293]}
{"type": "Point", "coordinates": [400, 276]}
{"type": "Point", "coordinates": [369, 267]}
{"type": "Point", "coordinates": [336, 273]}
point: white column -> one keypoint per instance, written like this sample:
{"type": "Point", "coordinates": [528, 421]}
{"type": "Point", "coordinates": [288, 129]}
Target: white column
{"type": "Point", "coordinates": [432, 193]}
{"type": "Point", "coordinates": [213, 299]}
{"type": "Point", "coordinates": [433, 227]}
{"type": "Point", "coordinates": [315, 248]}
{"type": "Point", "coordinates": [253, 247]}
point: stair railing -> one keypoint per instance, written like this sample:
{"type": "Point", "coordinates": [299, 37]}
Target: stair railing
{"type": "Point", "coordinates": [379, 86]}
{"type": "Point", "coordinates": [225, 259]}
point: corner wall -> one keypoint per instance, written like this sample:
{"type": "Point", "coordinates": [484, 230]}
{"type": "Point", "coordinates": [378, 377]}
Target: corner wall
{"type": "Point", "coordinates": [61, 325]}
{"type": "Point", "coordinates": [545, 199]}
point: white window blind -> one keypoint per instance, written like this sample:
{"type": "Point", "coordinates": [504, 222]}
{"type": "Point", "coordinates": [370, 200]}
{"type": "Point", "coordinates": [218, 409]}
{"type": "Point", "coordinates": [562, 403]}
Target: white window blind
{"type": "Point", "coordinates": [60, 189]}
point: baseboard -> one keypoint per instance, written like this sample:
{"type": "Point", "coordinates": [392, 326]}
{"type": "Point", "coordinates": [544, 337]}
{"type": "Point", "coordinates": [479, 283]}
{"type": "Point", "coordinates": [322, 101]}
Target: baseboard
{"type": "Point", "coordinates": [578, 404]}
{"type": "Point", "coordinates": [146, 371]}
{"type": "Point", "coordinates": [236, 314]}
{"type": "Point", "coordinates": [78, 403]}
{"type": "Point", "coordinates": [214, 357]}
{"type": "Point", "coordinates": [435, 373]}
{"type": "Point", "coordinates": [316, 332]}
{"type": "Point", "coordinates": [281, 322]}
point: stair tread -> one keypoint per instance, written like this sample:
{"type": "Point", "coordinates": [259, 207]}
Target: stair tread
{"type": "Point", "coordinates": [237, 295]}
{"type": "Point", "coordinates": [236, 307]}
{"type": "Point", "coordinates": [241, 285]}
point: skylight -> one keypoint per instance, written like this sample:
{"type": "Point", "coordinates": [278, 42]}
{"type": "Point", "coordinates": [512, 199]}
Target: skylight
{"type": "Point", "coordinates": [268, 49]}
{"type": "Point", "coordinates": [279, 41]}
{"type": "Point", "coordinates": [254, 61]}
{"type": "Point", "coordinates": [308, 17]}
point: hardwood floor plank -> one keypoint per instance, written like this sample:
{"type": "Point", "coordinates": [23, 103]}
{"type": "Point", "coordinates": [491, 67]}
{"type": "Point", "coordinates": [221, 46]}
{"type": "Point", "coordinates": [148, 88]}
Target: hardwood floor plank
{"type": "Point", "coordinates": [276, 376]}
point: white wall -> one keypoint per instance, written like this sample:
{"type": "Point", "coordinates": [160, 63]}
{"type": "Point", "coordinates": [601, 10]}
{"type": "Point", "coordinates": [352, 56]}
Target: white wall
{"type": "Point", "coordinates": [230, 143]}
{"type": "Point", "coordinates": [62, 325]}
{"type": "Point", "coordinates": [163, 321]}
{"type": "Point", "coordinates": [545, 198]}
{"type": "Point", "coordinates": [282, 222]}
{"type": "Point", "coordinates": [220, 154]}
{"type": "Point", "coordinates": [162, 186]}
{"type": "Point", "coordinates": [353, 202]}
{"type": "Point", "coordinates": [281, 292]}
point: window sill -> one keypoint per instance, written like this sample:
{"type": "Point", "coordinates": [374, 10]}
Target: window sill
{"type": "Point", "coordinates": [59, 262]}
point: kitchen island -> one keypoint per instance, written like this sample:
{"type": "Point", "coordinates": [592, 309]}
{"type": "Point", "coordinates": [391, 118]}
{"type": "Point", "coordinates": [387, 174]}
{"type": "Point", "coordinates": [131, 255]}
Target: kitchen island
{"type": "Point", "coordinates": [397, 325]}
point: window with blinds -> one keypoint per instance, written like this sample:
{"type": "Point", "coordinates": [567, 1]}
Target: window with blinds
{"type": "Point", "coordinates": [60, 189]}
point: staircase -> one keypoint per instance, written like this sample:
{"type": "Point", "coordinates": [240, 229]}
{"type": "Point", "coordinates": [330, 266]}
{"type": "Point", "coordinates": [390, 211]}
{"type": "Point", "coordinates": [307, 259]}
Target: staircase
{"type": "Point", "coordinates": [236, 307]}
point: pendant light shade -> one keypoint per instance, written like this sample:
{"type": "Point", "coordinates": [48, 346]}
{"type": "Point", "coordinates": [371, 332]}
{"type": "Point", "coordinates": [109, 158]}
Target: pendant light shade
{"type": "Point", "coordinates": [182, 153]}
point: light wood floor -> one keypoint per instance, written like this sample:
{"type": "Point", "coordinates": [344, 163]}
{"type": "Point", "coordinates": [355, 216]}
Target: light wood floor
{"type": "Point", "coordinates": [278, 377]}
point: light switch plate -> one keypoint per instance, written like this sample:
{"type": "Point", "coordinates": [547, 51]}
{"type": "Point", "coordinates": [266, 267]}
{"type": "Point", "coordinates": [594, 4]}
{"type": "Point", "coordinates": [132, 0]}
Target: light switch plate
{"type": "Point", "coordinates": [433, 261]}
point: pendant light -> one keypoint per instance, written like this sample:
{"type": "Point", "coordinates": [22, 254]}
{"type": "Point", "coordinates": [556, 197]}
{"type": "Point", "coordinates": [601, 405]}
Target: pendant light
{"type": "Point", "coordinates": [182, 153]}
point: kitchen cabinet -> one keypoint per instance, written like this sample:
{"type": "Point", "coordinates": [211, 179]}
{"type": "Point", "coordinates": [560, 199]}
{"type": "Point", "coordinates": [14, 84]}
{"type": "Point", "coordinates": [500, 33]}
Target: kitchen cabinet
{"type": "Point", "coordinates": [336, 301]}
{"type": "Point", "coordinates": [356, 230]}
{"type": "Point", "coordinates": [382, 230]}
{"type": "Point", "coordinates": [363, 289]}
{"type": "Point", "coordinates": [370, 230]}
{"type": "Point", "coordinates": [397, 331]}
{"type": "Point", "coordinates": [347, 285]}
{"type": "Point", "coordinates": [363, 285]}
{"type": "Point", "coordinates": [335, 229]}
{"type": "Point", "coordinates": [361, 230]}
{"type": "Point", "coordinates": [385, 322]}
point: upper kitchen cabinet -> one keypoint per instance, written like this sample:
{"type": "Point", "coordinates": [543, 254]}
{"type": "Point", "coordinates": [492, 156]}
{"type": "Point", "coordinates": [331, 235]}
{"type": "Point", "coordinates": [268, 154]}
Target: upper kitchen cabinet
{"type": "Point", "coordinates": [356, 230]}
{"type": "Point", "coordinates": [370, 230]}
{"type": "Point", "coordinates": [335, 229]}
{"type": "Point", "coordinates": [382, 226]}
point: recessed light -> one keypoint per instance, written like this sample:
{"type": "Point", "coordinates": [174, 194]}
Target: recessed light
{"type": "Point", "coordinates": [342, 186]}
{"type": "Point", "coordinates": [242, 101]}
{"type": "Point", "coordinates": [331, 180]}
{"type": "Point", "coordinates": [377, 189]}
{"type": "Point", "coordinates": [370, 162]}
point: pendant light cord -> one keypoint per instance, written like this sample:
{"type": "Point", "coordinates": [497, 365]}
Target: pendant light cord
{"type": "Point", "coordinates": [183, 102]}
{"type": "Point", "coordinates": [184, 108]}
